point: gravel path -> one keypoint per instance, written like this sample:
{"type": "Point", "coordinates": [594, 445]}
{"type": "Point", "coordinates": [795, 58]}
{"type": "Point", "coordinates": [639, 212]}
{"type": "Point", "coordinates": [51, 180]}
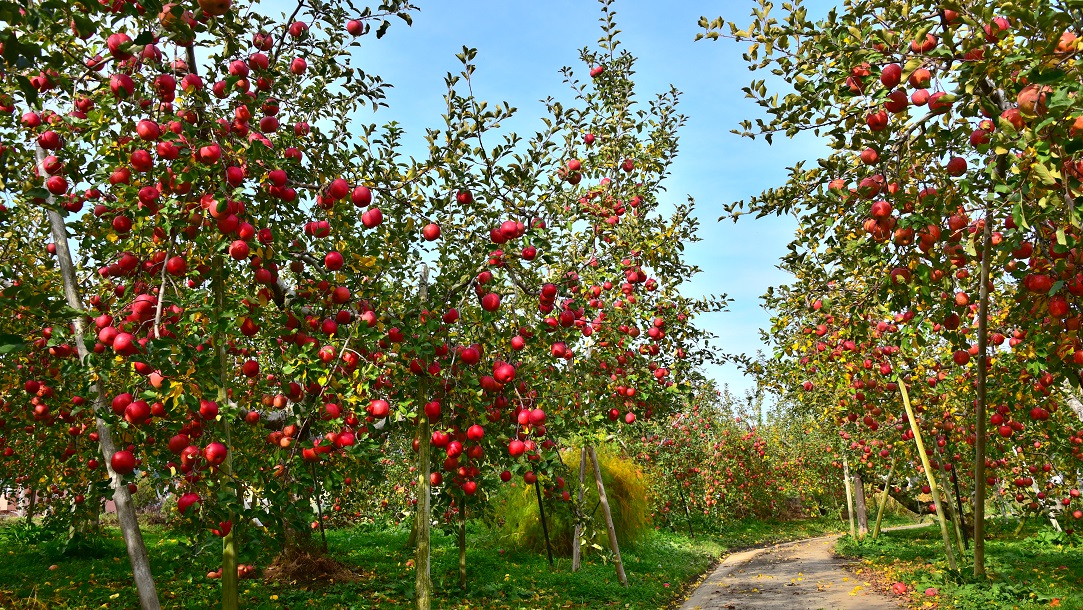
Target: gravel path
{"type": "Point", "coordinates": [793, 576]}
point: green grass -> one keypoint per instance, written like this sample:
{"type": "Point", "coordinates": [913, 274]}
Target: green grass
{"type": "Point", "coordinates": [97, 575]}
{"type": "Point", "coordinates": [1037, 569]}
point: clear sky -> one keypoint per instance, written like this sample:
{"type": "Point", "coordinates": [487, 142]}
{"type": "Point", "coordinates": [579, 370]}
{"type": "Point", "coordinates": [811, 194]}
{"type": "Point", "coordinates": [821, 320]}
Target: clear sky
{"type": "Point", "coordinates": [521, 47]}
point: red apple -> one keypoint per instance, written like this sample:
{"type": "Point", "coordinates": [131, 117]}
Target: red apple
{"type": "Point", "coordinates": [123, 462]}
{"type": "Point", "coordinates": [431, 232]}
{"type": "Point", "coordinates": [891, 75]}
{"type": "Point", "coordinates": [215, 453]}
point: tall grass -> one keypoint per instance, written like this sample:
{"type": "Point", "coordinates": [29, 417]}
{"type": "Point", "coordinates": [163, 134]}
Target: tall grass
{"type": "Point", "coordinates": [514, 511]}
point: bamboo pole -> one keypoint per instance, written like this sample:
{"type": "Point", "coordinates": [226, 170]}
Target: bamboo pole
{"type": "Point", "coordinates": [883, 499]}
{"type": "Point", "coordinates": [122, 498]}
{"type": "Point", "coordinates": [928, 473]}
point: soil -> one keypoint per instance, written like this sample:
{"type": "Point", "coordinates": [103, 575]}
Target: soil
{"type": "Point", "coordinates": [797, 575]}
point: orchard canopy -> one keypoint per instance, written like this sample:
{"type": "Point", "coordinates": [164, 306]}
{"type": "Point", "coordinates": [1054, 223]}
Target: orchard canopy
{"type": "Point", "coordinates": [228, 295]}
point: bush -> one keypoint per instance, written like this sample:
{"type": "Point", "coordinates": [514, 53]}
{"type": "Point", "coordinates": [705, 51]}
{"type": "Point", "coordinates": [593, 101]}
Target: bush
{"type": "Point", "coordinates": [514, 509]}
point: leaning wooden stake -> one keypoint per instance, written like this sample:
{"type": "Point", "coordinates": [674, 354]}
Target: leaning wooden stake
{"type": "Point", "coordinates": [422, 557]}
{"type": "Point", "coordinates": [545, 526]}
{"type": "Point", "coordinates": [958, 497]}
{"type": "Point", "coordinates": [883, 500]}
{"type": "Point", "coordinates": [612, 531]}
{"type": "Point", "coordinates": [576, 542]}
{"type": "Point", "coordinates": [955, 517]}
{"type": "Point", "coordinates": [849, 494]}
{"type": "Point", "coordinates": [1022, 524]}
{"type": "Point", "coordinates": [928, 474]}
{"type": "Point", "coordinates": [122, 498]}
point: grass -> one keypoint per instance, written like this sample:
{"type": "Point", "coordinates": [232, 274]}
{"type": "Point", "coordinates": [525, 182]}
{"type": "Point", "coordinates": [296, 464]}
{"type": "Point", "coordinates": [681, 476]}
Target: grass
{"type": "Point", "coordinates": [659, 566]}
{"type": "Point", "coordinates": [1037, 569]}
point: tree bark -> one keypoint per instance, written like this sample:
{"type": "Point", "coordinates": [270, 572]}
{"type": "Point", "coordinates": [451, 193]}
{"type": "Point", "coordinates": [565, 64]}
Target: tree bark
{"type": "Point", "coordinates": [928, 473]}
{"type": "Point", "coordinates": [859, 506]}
{"type": "Point", "coordinates": [122, 498]}
{"type": "Point", "coordinates": [31, 504]}
{"type": "Point", "coordinates": [578, 532]}
{"type": "Point", "coordinates": [462, 547]}
{"type": "Point", "coordinates": [981, 403]}
{"type": "Point", "coordinates": [687, 513]}
{"type": "Point", "coordinates": [849, 494]}
{"type": "Point", "coordinates": [608, 517]}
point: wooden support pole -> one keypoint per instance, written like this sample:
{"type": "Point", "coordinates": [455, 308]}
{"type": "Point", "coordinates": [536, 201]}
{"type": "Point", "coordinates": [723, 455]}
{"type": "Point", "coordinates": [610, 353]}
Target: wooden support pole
{"type": "Point", "coordinates": [610, 529]}
{"type": "Point", "coordinates": [545, 527]}
{"type": "Point", "coordinates": [883, 499]}
{"type": "Point", "coordinates": [578, 531]}
{"type": "Point", "coordinates": [928, 473]}
{"type": "Point", "coordinates": [122, 498]}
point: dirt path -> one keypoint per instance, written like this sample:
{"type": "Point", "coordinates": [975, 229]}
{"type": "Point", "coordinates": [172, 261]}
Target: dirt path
{"type": "Point", "coordinates": [793, 576]}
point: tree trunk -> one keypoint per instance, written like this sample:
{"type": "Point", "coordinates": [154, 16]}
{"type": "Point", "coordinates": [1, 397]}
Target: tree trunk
{"type": "Point", "coordinates": [883, 500]}
{"type": "Point", "coordinates": [462, 547]}
{"type": "Point", "coordinates": [980, 404]}
{"type": "Point", "coordinates": [423, 556]}
{"type": "Point", "coordinates": [122, 498]}
{"type": "Point", "coordinates": [317, 496]}
{"type": "Point", "coordinates": [849, 494]}
{"type": "Point", "coordinates": [928, 473]}
{"type": "Point", "coordinates": [578, 532]}
{"type": "Point", "coordinates": [31, 504]}
{"type": "Point", "coordinates": [608, 517]}
{"type": "Point", "coordinates": [687, 513]}
{"type": "Point", "coordinates": [859, 506]}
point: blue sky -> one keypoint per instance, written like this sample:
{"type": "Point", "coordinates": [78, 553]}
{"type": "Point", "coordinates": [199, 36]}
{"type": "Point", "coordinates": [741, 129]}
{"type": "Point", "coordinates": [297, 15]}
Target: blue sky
{"type": "Point", "coordinates": [521, 48]}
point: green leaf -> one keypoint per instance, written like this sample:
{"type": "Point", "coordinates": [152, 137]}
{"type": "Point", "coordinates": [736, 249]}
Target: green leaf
{"type": "Point", "coordinates": [1044, 174]}
{"type": "Point", "coordinates": [11, 343]}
